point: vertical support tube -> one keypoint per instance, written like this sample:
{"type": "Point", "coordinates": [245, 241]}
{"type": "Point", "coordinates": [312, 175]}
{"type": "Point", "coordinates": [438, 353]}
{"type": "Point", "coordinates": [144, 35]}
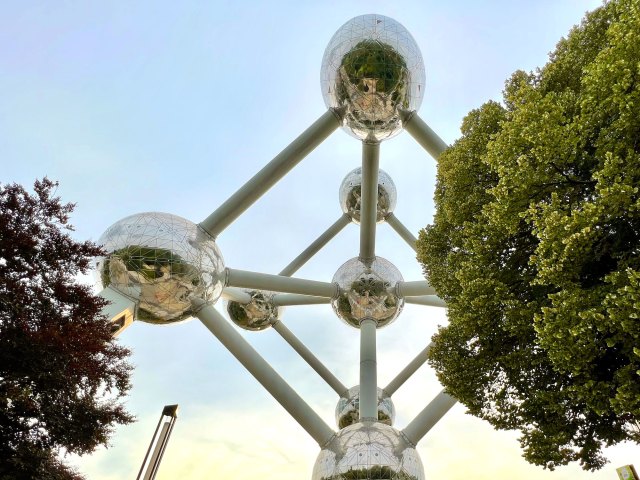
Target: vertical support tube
{"type": "Point", "coordinates": [266, 375]}
{"type": "Point", "coordinates": [422, 133]}
{"type": "Point", "coordinates": [312, 249]}
{"type": "Point", "coordinates": [309, 357]}
{"type": "Point", "coordinates": [272, 173]}
{"type": "Point", "coordinates": [403, 231]}
{"type": "Point", "coordinates": [409, 370]}
{"type": "Point", "coordinates": [369, 200]}
{"type": "Point", "coordinates": [428, 417]}
{"type": "Point", "coordinates": [368, 371]}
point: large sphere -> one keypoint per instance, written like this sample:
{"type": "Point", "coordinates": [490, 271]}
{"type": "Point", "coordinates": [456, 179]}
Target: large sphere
{"type": "Point", "coordinates": [372, 66]}
{"type": "Point", "coordinates": [348, 408]}
{"type": "Point", "coordinates": [162, 262]}
{"type": "Point", "coordinates": [351, 193]}
{"type": "Point", "coordinates": [367, 291]}
{"type": "Point", "coordinates": [258, 314]}
{"type": "Point", "coordinates": [368, 450]}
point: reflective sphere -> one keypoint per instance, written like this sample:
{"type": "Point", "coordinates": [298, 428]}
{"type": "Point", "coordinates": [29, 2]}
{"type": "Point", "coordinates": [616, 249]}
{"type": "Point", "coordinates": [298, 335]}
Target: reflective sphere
{"type": "Point", "coordinates": [367, 292]}
{"type": "Point", "coordinates": [256, 315]}
{"type": "Point", "coordinates": [351, 192]}
{"type": "Point", "coordinates": [347, 410]}
{"type": "Point", "coordinates": [162, 262]}
{"type": "Point", "coordinates": [370, 450]}
{"type": "Point", "coordinates": [372, 66]}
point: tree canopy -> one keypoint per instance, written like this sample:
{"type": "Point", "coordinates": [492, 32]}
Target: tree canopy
{"type": "Point", "coordinates": [61, 373]}
{"type": "Point", "coordinates": [535, 246]}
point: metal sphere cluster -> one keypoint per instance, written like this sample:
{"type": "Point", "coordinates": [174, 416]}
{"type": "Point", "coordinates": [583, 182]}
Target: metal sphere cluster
{"type": "Point", "coordinates": [367, 291]}
{"type": "Point", "coordinates": [258, 314]}
{"type": "Point", "coordinates": [351, 194]}
{"type": "Point", "coordinates": [162, 262]}
{"type": "Point", "coordinates": [368, 450]}
{"type": "Point", "coordinates": [348, 407]}
{"type": "Point", "coordinates": [372, 67]}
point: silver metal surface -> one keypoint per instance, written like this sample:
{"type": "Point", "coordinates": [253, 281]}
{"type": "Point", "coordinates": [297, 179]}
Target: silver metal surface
{"type": "Point", "coordinates": [367, 291]}
{"type": "Point", "coordinates": [368, 206]}
{"type": "Point", "coordinates": [372, 66]}
{"type": "Point", "coordinates": [161, 262]}
{"type": "Point", "coordinates": [351, 195]}
{"type": "Point", "coordinates": [257, 314]}
{"type": "Point", "coordinates": [368, 450]}
{"type": "Point", "coordinates": [368, 371]}
{"type": "Point", "coordinates": [348, 408]}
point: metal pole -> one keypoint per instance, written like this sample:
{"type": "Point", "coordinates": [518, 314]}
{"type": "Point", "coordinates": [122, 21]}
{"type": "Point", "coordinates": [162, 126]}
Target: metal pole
{"type": "Point", "coordinates": [312, 249]}
{"type": "Point", "coordinates": [428, 417]}
{"type": "Point", "coordinates": [289, 299]}
{"type": "Point", "coordinates": [414, 289]}
{"type": "Point", "coordinates": [428, 300]}
{"type": "Point", "coordinates": [368, 371]}
{"type": "Point", "coordinates": [159, 440]}
{"type": "Point", "coordinates": [236, 295]}
{"type": "Point", "coordinates": [421, 132]}
{"type": "Point", "coordinates": [266, 375]}
{"type": "Point", "coordinates": [262, 181]}
{"type": "Point", "coordinates": [309, 357]}
{"type": "Point", "coordinates": [409, 370]}
{"type": "Point", "coordinates": [369, 200]}
{"type": "Point", "coordinates": [276, 283]}
{"type": "Point", "coordinates": [403, 231]}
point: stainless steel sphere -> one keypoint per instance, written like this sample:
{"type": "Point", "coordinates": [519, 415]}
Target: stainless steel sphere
{"type": "Point", "coordinates": [372, 66]}
{"type": "Point", "coordinates": [162, 262]}
{"type": "Point", "coordinates": [351, 193]}
{"type": "Point", "coordinates": [347, 410]}
{"type": "Point", "coordinates": [367, 292]}
{"type": "Point", "coordinates": [370, 450]}
{"type": "Point", "coordinates": [258, 314]}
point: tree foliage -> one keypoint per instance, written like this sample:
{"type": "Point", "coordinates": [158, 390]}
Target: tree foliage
{"type": "Point", "coordinates": [61, 373]}
{"type": "Point", "coordinates": [536, 248]}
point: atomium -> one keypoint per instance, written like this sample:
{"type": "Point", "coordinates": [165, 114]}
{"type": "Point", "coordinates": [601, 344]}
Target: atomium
{"type": "Point", "coordinates": [372, 67]}
{"type": "Point", "coordinates": [367, 291]}
{"type": "Point", "coordinates": [351, 195]}
{"type": "Point", "coordinates": [368, 450]}
{"type": "Point", "coordinates": [347, 410]}
{"type": "Point", "coordinates": [162, 262]}
{"type": "Point", "coordinates": [258, 314]}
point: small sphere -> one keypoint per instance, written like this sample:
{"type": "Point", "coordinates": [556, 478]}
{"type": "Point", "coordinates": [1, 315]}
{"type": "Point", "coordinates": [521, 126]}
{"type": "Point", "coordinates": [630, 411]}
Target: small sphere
{"type": "Point", "coordinates": [348, 408]}
{"type": "Point", "coordinates": [367, 291]}
{"type": "Point", "coordinates": [368, 450]}
{"type": "Point", "coordinates": [258, 314]}
{"type": "Point", "coordinates": [351, 193]}
{"type": "Point", "coordinates": [162, 262]}
{"type": "Point", "coordinates": [372, 66]}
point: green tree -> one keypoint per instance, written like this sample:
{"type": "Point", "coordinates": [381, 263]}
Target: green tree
{"type": "Point", "coordinates": [62, 375]}
{"type": "Point", "coordinates": [536, 248]}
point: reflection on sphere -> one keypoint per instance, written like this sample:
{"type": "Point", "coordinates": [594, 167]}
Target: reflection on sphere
{"type": "Point", "coordinates": [351, 194]}
{"type": "Point", "coordinates": [258, 314]}
{"type": "Point", "coordinates": [372, 66]}
{"type": "Point", "coordinates": [348, 408]}
{"type": "Point", "coordinates": [367, 291]}
{"type": "Point", "coordinates": [162, 262]}
{"type": "Point", "coordinates": [370, 450]}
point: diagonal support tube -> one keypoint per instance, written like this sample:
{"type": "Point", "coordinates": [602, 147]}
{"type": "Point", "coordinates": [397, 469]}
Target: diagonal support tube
{"type": "Point", "coordinates": [428, 417]}
{"type": "Point", "coordinates": [369, 200]}
{"type": "Point", "coordinates": [403, 231]}
{"type": "Point", "coordinates": [368, 371]}
{"type": "Point", "coordinates": [309, 357]}
{"type": "Point", "coordinates": [427, 300]}
{"type": "Point", "coordinates": [236, 295]}
{"type": "Point", "coordinates": [312, 249]}
{"type": "Point", "coordinates": [290, 299]}
{"type": "Point", "coordinates": [266, 375]}
{"type": "Point", "coordinates": [277, 283]}
{"type": "Point", "coordinates": [409, 370]}
{"type": "Point", "coordinates": [262, 181]}
{"type": "Point", "coordinates": [422, 133]}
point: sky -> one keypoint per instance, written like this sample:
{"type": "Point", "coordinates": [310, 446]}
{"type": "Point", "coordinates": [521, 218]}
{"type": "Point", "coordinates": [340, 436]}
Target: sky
{"type": "Point", "coordinates": [171, 107]}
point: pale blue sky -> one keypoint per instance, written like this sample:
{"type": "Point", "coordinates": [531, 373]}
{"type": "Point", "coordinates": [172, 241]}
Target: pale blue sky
{"type": "Point", "coordinates": [171, 106]}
